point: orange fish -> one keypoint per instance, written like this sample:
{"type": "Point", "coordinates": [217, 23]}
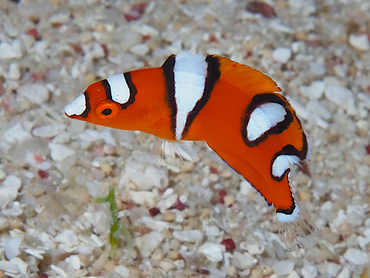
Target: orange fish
{"type": "Point", "coordinates": [236, 109]}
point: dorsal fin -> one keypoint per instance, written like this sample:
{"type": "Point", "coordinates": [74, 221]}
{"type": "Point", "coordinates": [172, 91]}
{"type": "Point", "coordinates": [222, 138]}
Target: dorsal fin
{"type": "Point", "coordinates": [242, 76]}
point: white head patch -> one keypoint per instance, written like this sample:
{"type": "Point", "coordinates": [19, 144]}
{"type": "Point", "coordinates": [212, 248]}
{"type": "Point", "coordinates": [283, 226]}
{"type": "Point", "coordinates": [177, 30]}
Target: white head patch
{"type": "Point", "coordinates": [77, 107]}
{"type": "Point", "coordinates": [282, 163]}
{"type": "Point", "coordinates": [190, 71]}
{"type": "Point", "coordinates": [263, 118]}
{"type": "Point", "coordinates": [120, 91]}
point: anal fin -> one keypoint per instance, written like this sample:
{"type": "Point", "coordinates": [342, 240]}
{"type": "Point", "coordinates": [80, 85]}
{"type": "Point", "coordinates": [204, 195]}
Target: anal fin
{"type": "Point", "coordinates": [169, 150]}
{"type": "Point", "coordinates": [299, 232]}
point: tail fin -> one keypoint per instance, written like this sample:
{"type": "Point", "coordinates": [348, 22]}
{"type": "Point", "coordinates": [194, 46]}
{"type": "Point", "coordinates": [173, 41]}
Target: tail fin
{"type": "Point", "coordinates": [299, 232]}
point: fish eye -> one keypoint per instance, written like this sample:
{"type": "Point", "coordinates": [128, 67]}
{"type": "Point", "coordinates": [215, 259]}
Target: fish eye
{"type": "Point", "coordinates": [107, 110]}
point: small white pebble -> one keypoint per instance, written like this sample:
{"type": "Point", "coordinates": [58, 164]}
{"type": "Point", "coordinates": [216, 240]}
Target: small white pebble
{"type": "Point", "coordinates": [243, 261]}
{"type": "Point", "coordinates": [9, 267]}
{"type": "Point", "coordinates": [48, 131]}
{"type": "Point", "coordinates": [22, 266]}
{"type": "Point", "coordinates": [167, 202]}
{"type": "Point", "coordinates": [246, 273]}
{"type": "Point", "coordinates": [231, 270]}
{"type": "Point", "coordinates": [293, 274]}
{"type": "Point", "coordinates": [226, 174]}
{"type": "Point", "coordinates": [339, 95]}
{"type": "Point", "coordinates": [94, 188]}
{"type": "Point", "coordinates": [183, 199]}
{"type": "Point", "coordinates": [245, 187]}
{"type": "Point", "coordinates": [304, 7]}
{"type": "Point", "coordinates": [168, 192]}
{"type": "Point", "coordinates": [157, 255]}
{"type": "Point", "coordinates": [344, 273]}
{"type": "Point", "coordinates": [95, 164]}
{"type": "Point", "coordinates": [140, 49]}
{"type": "Point", "coordinates": [148, 243]}
{"type": "Point", "coordinates": [212, 251]}
{"type": "Point", "coordinates": [123, 271]}
{"type": "Point", "coordinates": [74, 261]}
{"type": "Point", "coordinates": [229, 200]}
{"type": "Point", "coordinates": [2, 174]}
{"type": "Point", "coordinates": [145, 198]}
{"type": "Point", "coordinates": [277, 25]}
{"type": "Point", "coordinates": [109, 149]}
{"type": "Point", "coordinates": [67, 237]}
{"type": "Point", "coordinates": [148, 177]}
{"type": "Point", "coordinates": [188, 236]}
{"type": "Point", "coordinates": [14, 72]}
{"type": "Point", "coordinates": [283, 267]}
{"type": "Point", "coordinates": [361, 42]}
{"type": "Point", "coordinates": [205, 182]}
{"type": "Point", "coordinates": [157, 177]}
{"type": "Point", "coordinates": [96, 52]}
{"type": "Point", "coordinates": [361, 124]}
{"type": "Point", "coordinates": [10, 51]}
{"type": "Point", "coordinates": [37, 253]}
{"type": "Point", "coordinates": [318, 109]}
{"type": "Point", "coordinates": [212, 231]}
{"type": "Point", "coordinates": [267, 271]}
{"type": "Point", "coordinates": [317, 69]}
{"type": "Point", "coordinates": [12, 181]}
{"type": "Point", "coordinates": [364, 241]}
{"type": "Point", "coordinates": [187, 167]}
{"type": "Point", "coordinates": [356, 256]}
{"type": "Point", "coordinates": [166, 266]}
{"type": "Point", "coordinates": [282, 54]}
{"type": "Point", "coordinates": [9, 190]}
{"type": "Point", "coordinates": [60, 152]}
{"type": "Point", "coordinates": [39, 208]}
{"type": "Point", "coordinates": [16, 133]}
{"type": "Point", "coordinates": [298, 47]}
{"type": "Point", "coordinates": [85, 37]}
{"type": "Point", "coordinates": [97, 241]}
{"type": "Point", "coordinates": [341, 70]}
{"type": "Point", "coordinates": [314, 91]}
{"type": "Point", "coordinates": [180, 264]}
{"type": "Point", "coordinates": [338, 221]}
{"type": "Point", "coordinates": [147, 30]}
{"type": "Point", "coordinates": [35, 93]}
{"type": "Point", "coordinates": [11, 246]}
{"type": "Point", "coordinates": [168, 216]}
{"type": "Point", "coordinates": [84, 250]}
{"type": "Point", "coordinates": [4, 222]}
{"type": "Point", "coordinates": [331, 269]}
{"type": "Point", "coordinates": [155, 224]}
{"type": "Point", "coordinates": [59, 271]}
{"type": "Point", "coordinates": [252, 248]}
{"type": "Point", "coordinates": [36, 11]}
{"type": "Point", "coordinates": [10, 29]}
{"type": "Point", "coordinates": [59, 18]}
{"type": "Point", "coordinates": [309, 271]}
{"type": "Point", "coordinates": [213, 177]}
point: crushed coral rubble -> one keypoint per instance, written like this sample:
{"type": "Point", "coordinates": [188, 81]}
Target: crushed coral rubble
{"type": "Point", "coordinates": [192, 218]}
